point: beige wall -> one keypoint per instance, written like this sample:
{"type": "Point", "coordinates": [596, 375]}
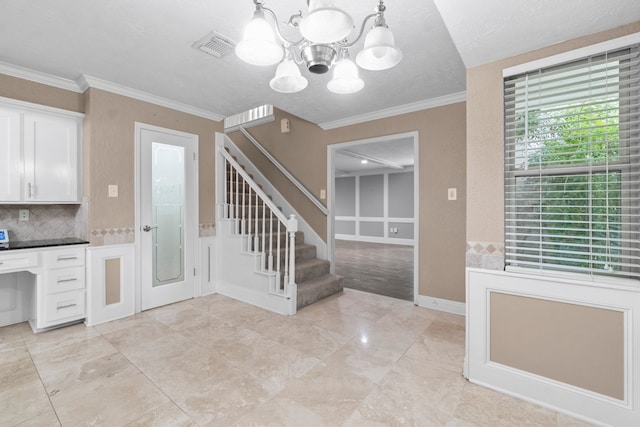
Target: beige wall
{"type": "Point", "coordinates": [485, 135]}
{"type": "Point", "coordinates": [109, 157]}
{"type": "Point", "coordinates": [575, 344]}
{"type": "Point", "coordinates": [28, 91]}
{"type": "Point", "coordinates": [441, 166]}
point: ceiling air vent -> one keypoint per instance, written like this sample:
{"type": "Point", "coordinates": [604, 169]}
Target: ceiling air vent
{"type": "Point", "coordinates": [215, 44]}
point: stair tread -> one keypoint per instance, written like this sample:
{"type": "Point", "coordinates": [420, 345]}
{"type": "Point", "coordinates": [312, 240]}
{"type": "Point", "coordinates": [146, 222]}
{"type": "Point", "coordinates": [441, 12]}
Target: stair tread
{"type": "Point", "coordinates": [319, 281]}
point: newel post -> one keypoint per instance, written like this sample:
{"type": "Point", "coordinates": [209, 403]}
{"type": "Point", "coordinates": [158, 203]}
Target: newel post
{"type": "Point", "coordinates": [292, 227]}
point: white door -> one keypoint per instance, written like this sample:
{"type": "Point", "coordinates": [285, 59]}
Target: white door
{"type": "Point", "coordinates": [167, 215]}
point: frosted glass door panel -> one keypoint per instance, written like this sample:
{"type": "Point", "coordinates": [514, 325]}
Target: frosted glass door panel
{"type": "Point", "coordinates": [168, 213]}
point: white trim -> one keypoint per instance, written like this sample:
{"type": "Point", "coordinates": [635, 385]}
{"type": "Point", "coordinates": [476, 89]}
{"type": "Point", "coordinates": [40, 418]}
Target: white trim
{"type": "Point", "coordinates": [448, 306]}
{"type": "Point", "coordinates": [39, 77]}
{"type": "Point", "coordinates": [86, 82]}
{"type": "Point", "coordinates": [575, 401]}
{"type": "Point", "coordinates": [38, 107]}
{"type": "Point", "coordinates": [572, 55]}
{"type": "Point", "coordinates": [396, 111]}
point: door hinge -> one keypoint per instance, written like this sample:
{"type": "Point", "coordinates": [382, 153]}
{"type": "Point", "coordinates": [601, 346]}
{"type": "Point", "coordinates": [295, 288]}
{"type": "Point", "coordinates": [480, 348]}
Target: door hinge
{"type": "Point", "coordinates": [194, 156]}
{"type": "Point", "coordinates": [194, 271]}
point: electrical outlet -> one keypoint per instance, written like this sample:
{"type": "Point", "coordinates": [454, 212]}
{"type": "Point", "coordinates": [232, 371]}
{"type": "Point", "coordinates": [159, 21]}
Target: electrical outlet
{"type": "Point", "coordinates": [23, 215]}
{"type": "Point", "coordinates": [452, 193]}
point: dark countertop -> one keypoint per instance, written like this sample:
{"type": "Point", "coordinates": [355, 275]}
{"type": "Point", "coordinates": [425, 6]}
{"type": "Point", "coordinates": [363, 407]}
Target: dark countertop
{"type": "Point", "coordinates": [31, 244]}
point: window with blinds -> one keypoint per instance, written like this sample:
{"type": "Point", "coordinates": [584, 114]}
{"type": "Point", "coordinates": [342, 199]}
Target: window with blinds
{"type": "Point", "coordinates": [572, 166]}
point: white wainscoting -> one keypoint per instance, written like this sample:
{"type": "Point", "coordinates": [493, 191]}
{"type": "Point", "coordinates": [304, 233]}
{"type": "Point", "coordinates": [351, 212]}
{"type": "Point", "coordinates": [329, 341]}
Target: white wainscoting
{"type": "Point", "coordinates": [207, 265]}
{"type": "Point", "coordinates": [575, 401]}
{"type": "Point", "coordinates": [98, 311]}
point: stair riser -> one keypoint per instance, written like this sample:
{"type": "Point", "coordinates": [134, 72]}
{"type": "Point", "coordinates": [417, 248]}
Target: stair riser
{"type": "Point", "coordinates": [308, 273]}
{"type": "Point", "coordinates": [307, 296]}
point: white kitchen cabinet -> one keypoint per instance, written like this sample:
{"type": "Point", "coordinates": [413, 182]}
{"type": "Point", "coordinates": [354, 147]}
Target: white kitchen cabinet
{"type": "Point", "coordinates": [60, 298]}
{"type": "Point", "coordinates": [44, 285]}
{"type": "Point", "coordinates": [43, 164]}
{"type": "Point", "coordinates": [10, 155]}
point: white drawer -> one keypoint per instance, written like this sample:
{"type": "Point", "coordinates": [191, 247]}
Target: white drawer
{"type": "Point", "coordinates": [67, 257]}
{"type": "Point", "coordinates": [64, 279]}
{"type": "Point", "coordinates": [15, 260]}
{"type": "Point", "coordinates": [64, 307]}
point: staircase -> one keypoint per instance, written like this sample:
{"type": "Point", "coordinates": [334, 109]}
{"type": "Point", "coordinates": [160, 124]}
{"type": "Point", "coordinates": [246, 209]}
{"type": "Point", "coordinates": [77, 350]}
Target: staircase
{"type": "Point", "coordinates": [276, 251]}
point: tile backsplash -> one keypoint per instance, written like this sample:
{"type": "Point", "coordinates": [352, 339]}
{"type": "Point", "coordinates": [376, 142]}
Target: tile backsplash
{"type": "Point", "coordinates": [45, 222]}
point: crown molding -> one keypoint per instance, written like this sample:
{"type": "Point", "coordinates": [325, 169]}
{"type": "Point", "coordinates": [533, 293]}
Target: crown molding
{"type": "Point", "coordinates": [86, 82]}
{"type": "Point", "coordinates": [396, 111]}
{"type": "Point", "coordinates": [38, 77]}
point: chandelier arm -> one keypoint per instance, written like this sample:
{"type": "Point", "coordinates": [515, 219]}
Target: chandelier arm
{"type": "Point", "coordinates": [364, 23]}
{"type": "Point", "coordinates": [277, 27]}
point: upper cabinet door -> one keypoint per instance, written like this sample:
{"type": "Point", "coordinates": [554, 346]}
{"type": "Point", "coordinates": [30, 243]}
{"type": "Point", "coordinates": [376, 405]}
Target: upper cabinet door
{"type": "Point", "coordinates": [51, 158]}
{"type": "Point", "coordinates": [10, 157]}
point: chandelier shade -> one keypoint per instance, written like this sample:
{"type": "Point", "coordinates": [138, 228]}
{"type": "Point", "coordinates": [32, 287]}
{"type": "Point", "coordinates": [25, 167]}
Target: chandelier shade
{"type": "Point", "coordinates": [327, 22]}
{"type": "Point", "coordinates": [324, 33]}
{"type": "Point", "coordinates": [288, 78]}
{"type": "Point", "coordinates": [345, 78]}
{"type": "Point", "coordinates": [259, 46]}
{"type": "Point", "coordinates": [379, 52]}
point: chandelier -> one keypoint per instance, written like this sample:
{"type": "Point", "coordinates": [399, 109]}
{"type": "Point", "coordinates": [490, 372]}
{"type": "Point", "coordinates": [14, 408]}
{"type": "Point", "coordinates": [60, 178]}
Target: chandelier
{"type": "Point", "coordinates": [323, 44]}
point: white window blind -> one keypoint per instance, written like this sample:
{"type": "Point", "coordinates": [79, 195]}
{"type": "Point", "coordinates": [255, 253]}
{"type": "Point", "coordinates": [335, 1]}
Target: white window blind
{"type": "Point", "coordinates": [572, 166]}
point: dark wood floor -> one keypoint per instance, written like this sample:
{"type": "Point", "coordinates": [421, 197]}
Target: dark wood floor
{"type": "Point", "coordinates": [375, 267]}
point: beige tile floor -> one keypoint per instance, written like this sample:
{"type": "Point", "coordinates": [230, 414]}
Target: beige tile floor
{"type": "Point", "coordinates": [354, 359]}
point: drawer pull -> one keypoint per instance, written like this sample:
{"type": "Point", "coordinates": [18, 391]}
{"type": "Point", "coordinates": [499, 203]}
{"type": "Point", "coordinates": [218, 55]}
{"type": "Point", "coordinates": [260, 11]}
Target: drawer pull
{"type": "Point", "coordinates": [75, 279]}
{"type": "Point", "coordinates": [67, 258]}
{"type": "Point", "coordinates": [1, 262]}
{"type": "Point", "coordinates": [60, 307]}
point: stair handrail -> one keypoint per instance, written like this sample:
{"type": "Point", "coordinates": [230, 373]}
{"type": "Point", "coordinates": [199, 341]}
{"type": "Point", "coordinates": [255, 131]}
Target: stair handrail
{"type": "Point", "coordinates": [274, 208]}
{"type": "Point", "coordinates": [285, 172]}
{"type": "Point", "coordinates": [290, 223]}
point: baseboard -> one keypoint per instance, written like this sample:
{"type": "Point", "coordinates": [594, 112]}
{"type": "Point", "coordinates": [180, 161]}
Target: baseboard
{"type": "Point", "coordinates": [368, 239]}
{"type": "Point", "coordinates": [267, 301]}
{"type": "Point", "coordinates": [448, 306]}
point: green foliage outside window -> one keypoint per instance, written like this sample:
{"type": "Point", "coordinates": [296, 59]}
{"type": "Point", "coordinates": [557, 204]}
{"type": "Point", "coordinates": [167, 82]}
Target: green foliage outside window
{"type": "Point", "coordinates": [574, 215]}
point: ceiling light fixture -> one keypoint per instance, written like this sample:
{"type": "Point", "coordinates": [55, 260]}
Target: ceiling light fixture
{"type": "Point", "coordinates": [323, 43]}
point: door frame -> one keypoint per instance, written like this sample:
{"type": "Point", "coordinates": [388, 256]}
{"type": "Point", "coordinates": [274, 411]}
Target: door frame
{"type": "Point", "coordinates": [139, 127]}
{"type": "Point", "coordinates": [331, 199]}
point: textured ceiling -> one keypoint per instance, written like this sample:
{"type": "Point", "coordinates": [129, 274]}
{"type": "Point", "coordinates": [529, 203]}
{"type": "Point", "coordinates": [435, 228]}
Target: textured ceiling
{"type": "Point", "coordinates": [488, 30]}
{"type": "Point", "coordinates": [146, 45]}
{"type": "Point", "coordinates": [397, 151]}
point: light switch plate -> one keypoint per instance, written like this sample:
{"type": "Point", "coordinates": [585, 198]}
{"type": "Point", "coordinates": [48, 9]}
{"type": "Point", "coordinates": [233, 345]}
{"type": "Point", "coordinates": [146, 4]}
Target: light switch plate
{"type": "Point", "coordinates": [452, 193]}
{"type": "Point", "coordinates": [113, 190]}
{"type": "Point", "coordinates": [323, 194]}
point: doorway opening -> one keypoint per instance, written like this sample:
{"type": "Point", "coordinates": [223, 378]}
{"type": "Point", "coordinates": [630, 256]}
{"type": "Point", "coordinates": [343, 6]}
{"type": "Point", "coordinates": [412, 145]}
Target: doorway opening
{"type": "Point", "coordinates": [373, 214]}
